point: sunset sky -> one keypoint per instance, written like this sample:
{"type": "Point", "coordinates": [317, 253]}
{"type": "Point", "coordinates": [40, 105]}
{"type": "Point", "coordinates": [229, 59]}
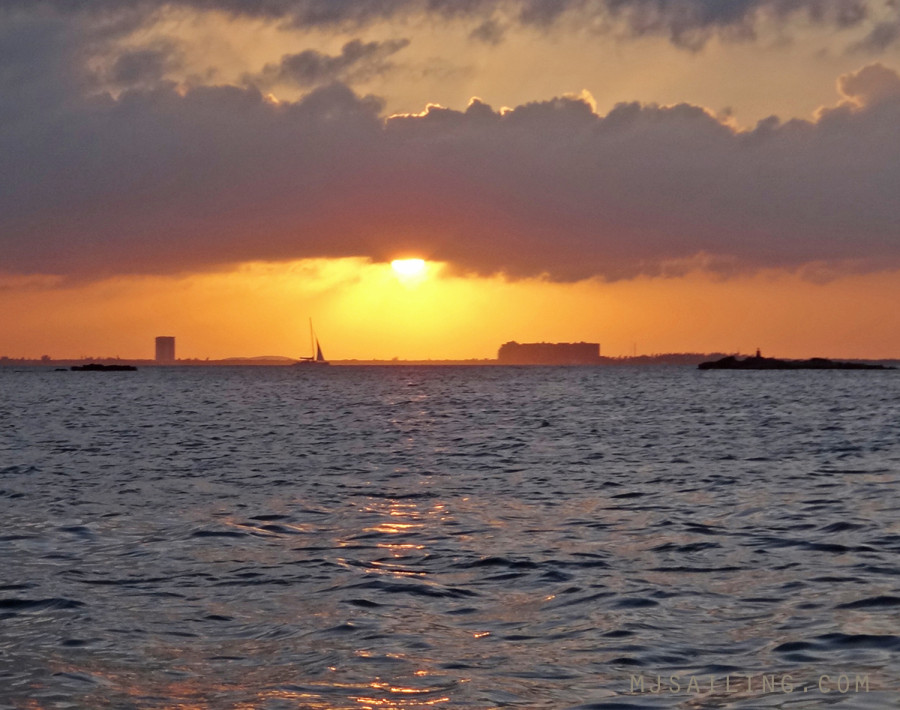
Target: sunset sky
{"type": "Point", "coordinates": [658, 175]}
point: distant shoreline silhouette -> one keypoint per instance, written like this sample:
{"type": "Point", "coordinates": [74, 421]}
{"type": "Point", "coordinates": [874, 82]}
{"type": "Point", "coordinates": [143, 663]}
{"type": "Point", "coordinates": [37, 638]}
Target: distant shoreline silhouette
{"type": "Point", "coordinates": [658, 359]}
{"type": "Point", "coordinates": [758, 362]}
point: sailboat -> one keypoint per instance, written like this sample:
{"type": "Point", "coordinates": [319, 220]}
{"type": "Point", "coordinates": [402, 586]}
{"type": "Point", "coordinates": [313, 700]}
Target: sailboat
{"type": "Point", "coordinates": [316, 358]}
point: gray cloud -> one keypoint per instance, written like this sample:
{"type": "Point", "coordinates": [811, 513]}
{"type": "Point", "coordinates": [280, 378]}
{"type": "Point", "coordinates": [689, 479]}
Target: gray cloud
{"type": "Point", "coordinates": [490, 32]}
{"type": "Point", "coordinates": [690, 24]}
{"type": "Point", "coordinates": [882, 36]}
{"type": "Point", "coordinates": [685, 22]}
{"type": "Point", "coordinates": [142, 67]}
{"type": "Point", "coordinates": [871, 85]}
{"type": "Point", "coordinates": [158, 180]}
{"type": "Point", "coordinates": [357, 61]}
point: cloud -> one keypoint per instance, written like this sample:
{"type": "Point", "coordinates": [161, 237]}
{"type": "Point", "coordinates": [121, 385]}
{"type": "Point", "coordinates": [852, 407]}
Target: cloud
{"type": "Point", "coordinates": [688, 23]}
{"type": "Point", "coordinates": [165, 179]}
{"type": "Point", "coordinates": [871, 85]}
{"type": "Point", "coordinates": [490, 32]}
{"type": "Point", "coordinates": [357, 61]}
{"type": "Point", "coordinates": [145, 67]}
{"type": "Point", "coordinates": [882, 36]}
{"type": "Point", "coordinates": [691, 23]}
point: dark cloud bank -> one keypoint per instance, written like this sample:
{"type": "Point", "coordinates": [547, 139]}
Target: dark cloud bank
{"type": "Point", "coordinates": [685, 22]}
{"type": "Point", "coordinates": [160, 180]}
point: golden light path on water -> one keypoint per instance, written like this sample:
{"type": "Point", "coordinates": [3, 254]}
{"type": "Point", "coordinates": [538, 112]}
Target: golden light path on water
{"type": "Point", "coordinates": [401, 519]}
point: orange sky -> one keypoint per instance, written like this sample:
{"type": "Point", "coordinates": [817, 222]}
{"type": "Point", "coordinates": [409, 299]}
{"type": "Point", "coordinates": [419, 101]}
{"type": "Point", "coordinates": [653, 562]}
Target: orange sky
{"type": "Point", "coordinates": [362, 310]}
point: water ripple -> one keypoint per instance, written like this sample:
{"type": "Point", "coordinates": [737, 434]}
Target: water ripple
{"type": "Point", "coordinates": [446, 537]}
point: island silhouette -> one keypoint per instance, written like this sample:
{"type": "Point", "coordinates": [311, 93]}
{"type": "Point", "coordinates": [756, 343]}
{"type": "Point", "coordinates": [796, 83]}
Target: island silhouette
{"type": "Point", "coordinates": [758, 362]}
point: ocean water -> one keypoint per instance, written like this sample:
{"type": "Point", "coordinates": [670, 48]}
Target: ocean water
{"type": "Point", "coordinates": [268, 538]}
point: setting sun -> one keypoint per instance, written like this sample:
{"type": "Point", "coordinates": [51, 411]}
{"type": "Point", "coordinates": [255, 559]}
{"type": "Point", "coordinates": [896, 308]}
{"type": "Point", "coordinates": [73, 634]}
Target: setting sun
{"type": "Point", "coordinates": [409, 268]}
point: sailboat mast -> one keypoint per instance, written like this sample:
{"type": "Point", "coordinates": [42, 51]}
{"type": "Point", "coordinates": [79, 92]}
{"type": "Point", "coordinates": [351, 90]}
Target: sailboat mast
{"type": "Point", "coordinates": [312, 339]}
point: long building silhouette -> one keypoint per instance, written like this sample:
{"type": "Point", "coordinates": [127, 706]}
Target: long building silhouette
{"type": "Point", "coordinates": [514, 353]}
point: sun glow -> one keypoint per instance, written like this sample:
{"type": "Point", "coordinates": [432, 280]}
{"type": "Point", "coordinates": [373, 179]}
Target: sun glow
{"type": "Point", "coordinates": [365, 310]}
{"type": "Point", "coordinates": [409, 268]}
{"type": "Point", "coordinates": [410, 272]}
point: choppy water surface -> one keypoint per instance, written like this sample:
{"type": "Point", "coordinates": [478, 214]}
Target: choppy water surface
{"type": "Point", "coordinates": [448, 537]}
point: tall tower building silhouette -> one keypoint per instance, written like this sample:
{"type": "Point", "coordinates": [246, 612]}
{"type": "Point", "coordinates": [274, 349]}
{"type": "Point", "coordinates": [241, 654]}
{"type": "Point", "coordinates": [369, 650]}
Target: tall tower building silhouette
{"type": "Point", "coordinates": [165, 349]}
